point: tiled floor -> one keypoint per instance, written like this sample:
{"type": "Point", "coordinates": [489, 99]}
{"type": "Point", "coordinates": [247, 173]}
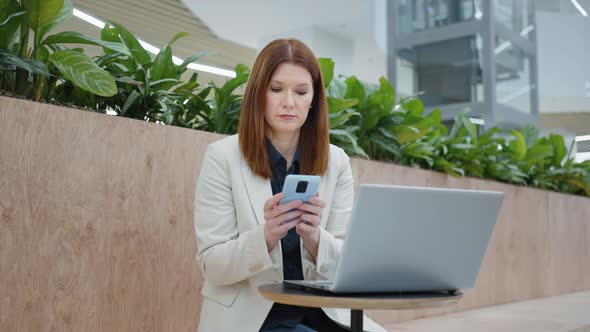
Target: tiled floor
{"type": "Point", "coordinates": [569, 312]}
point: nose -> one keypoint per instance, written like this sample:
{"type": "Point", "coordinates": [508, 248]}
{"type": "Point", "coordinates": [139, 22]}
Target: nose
{"type": "Point", "coordinates": [288, 101]}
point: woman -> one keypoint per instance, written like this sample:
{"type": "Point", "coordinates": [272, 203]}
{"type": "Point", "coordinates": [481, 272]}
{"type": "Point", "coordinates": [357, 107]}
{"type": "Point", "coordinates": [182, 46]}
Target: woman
{"type": "Point", "coordinates": [241, 238]}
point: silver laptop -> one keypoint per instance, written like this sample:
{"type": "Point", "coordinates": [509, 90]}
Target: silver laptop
{"type": "Point", "coordinates": [413, 239]}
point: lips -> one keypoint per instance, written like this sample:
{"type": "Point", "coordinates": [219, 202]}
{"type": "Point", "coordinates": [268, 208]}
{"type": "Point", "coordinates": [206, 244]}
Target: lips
{"type": "Point", "coordinates": [287, 116]}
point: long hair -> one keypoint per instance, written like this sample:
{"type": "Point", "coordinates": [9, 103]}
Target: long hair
{"type": "Point", "coordinates": [314, 138]}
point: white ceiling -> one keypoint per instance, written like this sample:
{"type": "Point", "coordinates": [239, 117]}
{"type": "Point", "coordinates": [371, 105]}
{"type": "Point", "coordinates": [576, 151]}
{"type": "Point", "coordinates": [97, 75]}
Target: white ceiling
{"type": "Point", "coordinates": [247, 22]}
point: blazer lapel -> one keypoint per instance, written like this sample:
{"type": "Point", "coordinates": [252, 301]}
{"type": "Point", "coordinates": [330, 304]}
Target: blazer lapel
{"type": "Point", "coordinates": [258, 188]}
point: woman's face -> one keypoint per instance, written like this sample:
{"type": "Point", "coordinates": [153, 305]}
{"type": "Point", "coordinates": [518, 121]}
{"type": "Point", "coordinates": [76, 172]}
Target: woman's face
{"type": "Point", "coordinates": [288, 98]}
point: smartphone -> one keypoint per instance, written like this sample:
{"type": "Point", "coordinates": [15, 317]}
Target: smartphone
{"type": "Point", "coordinates": [300, 187]}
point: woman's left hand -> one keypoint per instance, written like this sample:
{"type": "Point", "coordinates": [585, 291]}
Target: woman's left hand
{"type": "Point", "coordinates": [308, 226]}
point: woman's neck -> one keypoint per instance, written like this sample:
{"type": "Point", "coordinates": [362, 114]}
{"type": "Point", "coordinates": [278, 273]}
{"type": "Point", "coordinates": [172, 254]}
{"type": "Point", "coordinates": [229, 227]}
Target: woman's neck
{"type": "Point", "coordinates": [286, 144]}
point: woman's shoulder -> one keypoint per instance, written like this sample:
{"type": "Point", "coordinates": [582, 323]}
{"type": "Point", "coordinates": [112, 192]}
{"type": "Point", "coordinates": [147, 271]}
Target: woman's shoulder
{"type": "Point", "coordinates": [337, 156]}
{"type": "Point", "coordinates": [227, 147]}
{"type": "Point", "coordinates": [226, 142]}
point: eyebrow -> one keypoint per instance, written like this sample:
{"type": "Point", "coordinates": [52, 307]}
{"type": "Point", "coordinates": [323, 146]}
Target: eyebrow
{"type": "Point", "coordinates": [298, 85]}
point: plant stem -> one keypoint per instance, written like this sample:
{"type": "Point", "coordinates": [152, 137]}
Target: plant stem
{"type": "Point", "coordinates": [37, 78]}
{"type": "Point", "coordinates": [21, 74]}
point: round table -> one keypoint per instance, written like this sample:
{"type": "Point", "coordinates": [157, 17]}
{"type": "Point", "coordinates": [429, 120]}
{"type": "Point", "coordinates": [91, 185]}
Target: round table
{"type": "Point", "coordinates": [307, 297]}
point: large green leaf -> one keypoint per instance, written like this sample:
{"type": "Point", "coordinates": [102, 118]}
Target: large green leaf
{"type": "Point", "coordinates": [388, 148]}
{"type": "Point", "coordinates": [354, 89]}
{"type": "Point", "coordinates": [539, 152]}
{"type": "Point", "coordinates": [241, 69]}
{"type": "Point", "coordinates": [581, 185]}
{"type": "Point", "coordinates": [164, 84]}
{"type": "Point", "coordinates": [471, 128]}
{"type": "Point", "coordinates": [448, 167]}
{"type": "Point", "coordinates": [559, 149]}
{"type": "Point", "coordinates": [338, 119]}
{"type": "Point", "coordinates": [487, 137]}
{"type": "Point", "coordinates": [349, 139]}
{"type": "Point", "coordinates": [177, 37]}
{"type": "Point", "coordinates": [385, 87]}
{"type": "Point", "coordinates": [414, 107]}
{"type": "Point", "coordinates": [193, 58]}
{"type": "Point", "coordinates": [6, 16]}
{"type": "Point", "coordinates": [420, 151]}
{"type": "Point", "coordinates": [242, 73]}
{"type": "Point", "coordinates": [457, 126]}
{"type": "Point", "coordinates": [336, 89]}
{"type": "Point", "coordinates": [84, 73]}
{"type": "Point", "coordinates": [41, 12]}
{"type": "Point", "coordinates": [67, 10]}
{"type": "Point", "coordinates": [32, 66]}
{"type": "Point", "coordinates": [418, 127]}
{"type": "Point", "coordinates": [163, 66]}
{"type": "Point", "coordinates": [109, 34]}
{"type": "Point", "coordinates": [43, 54]}
{"type": "Point", "coordinates": [371, 114]}
{"type": "Point", "coordinates": [389, 134]}
{"type": "Point", "coordinates": [431, 120]}
{"type": "Point", "coordinates": [137, 51]}
{"type": "Point", "coordinates": [187, 87]}
{"type": "Point", "coordinates": [71, 37]}
{"type": "Point", "coordinates": [130, 101]}
{"type": "Point", "coordinates": [518, 145]}
{"type": "Point", "coordinates": [336, 105]}
{"type": "Point", "coordinates": [327, 69]}
{"type": "Point", "coordinates": [407, 133]}
{"type": "Point", "coordinates": [9, 17]}
{"type": "Point", "coordinates": [383, 97]}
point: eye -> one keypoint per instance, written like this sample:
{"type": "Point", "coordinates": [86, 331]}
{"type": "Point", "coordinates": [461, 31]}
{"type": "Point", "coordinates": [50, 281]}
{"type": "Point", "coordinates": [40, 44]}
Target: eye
{"type": "Point", "coordinates": [301, 93]}
{"type": "Point", "coordinates": [275, 89]}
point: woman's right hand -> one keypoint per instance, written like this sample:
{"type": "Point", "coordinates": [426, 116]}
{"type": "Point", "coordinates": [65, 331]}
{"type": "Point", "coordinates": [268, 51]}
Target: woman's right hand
{"type": "Point", "coordinates": [275, 215]}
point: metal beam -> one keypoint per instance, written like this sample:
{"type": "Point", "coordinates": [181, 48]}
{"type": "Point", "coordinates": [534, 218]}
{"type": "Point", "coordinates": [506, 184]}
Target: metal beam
{"type": "Point", "coordinates": [453, 31]}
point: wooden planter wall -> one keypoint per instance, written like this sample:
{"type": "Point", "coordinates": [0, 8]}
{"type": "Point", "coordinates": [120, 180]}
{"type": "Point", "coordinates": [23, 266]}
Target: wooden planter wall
{"type": "Point", "coordinates": [96, 226]}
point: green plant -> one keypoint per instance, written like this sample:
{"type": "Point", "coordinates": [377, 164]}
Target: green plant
{"type": "Point", "coordinates": [342, 131]}
{"type": "Point", "coordinates": [147, 90]}
{"type": "Point", "coordinates": [222, 113]}
{"type": "Point", "coordinates": [365, 120]}
{"type": "Point", "coordinates": [417, 134]}
{"type": "Point", "coordinates": [34, 71]}
{"type": "Point", "coordinates": [463, 152]}
{"type": "Point", "coordinates": [545, 161]}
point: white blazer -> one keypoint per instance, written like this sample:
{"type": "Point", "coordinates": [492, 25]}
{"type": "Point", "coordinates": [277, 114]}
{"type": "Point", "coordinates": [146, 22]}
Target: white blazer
{"type": "Point", "coordinates": [232, 252]}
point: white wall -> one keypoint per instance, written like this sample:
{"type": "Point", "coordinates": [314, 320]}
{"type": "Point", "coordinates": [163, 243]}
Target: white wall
{"type": "Point", "coordinates": [358, 46]}
{"type": "Point", "coordinates": [323, 43]}
{"type": "Point", "coordinates": [564, 62]}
